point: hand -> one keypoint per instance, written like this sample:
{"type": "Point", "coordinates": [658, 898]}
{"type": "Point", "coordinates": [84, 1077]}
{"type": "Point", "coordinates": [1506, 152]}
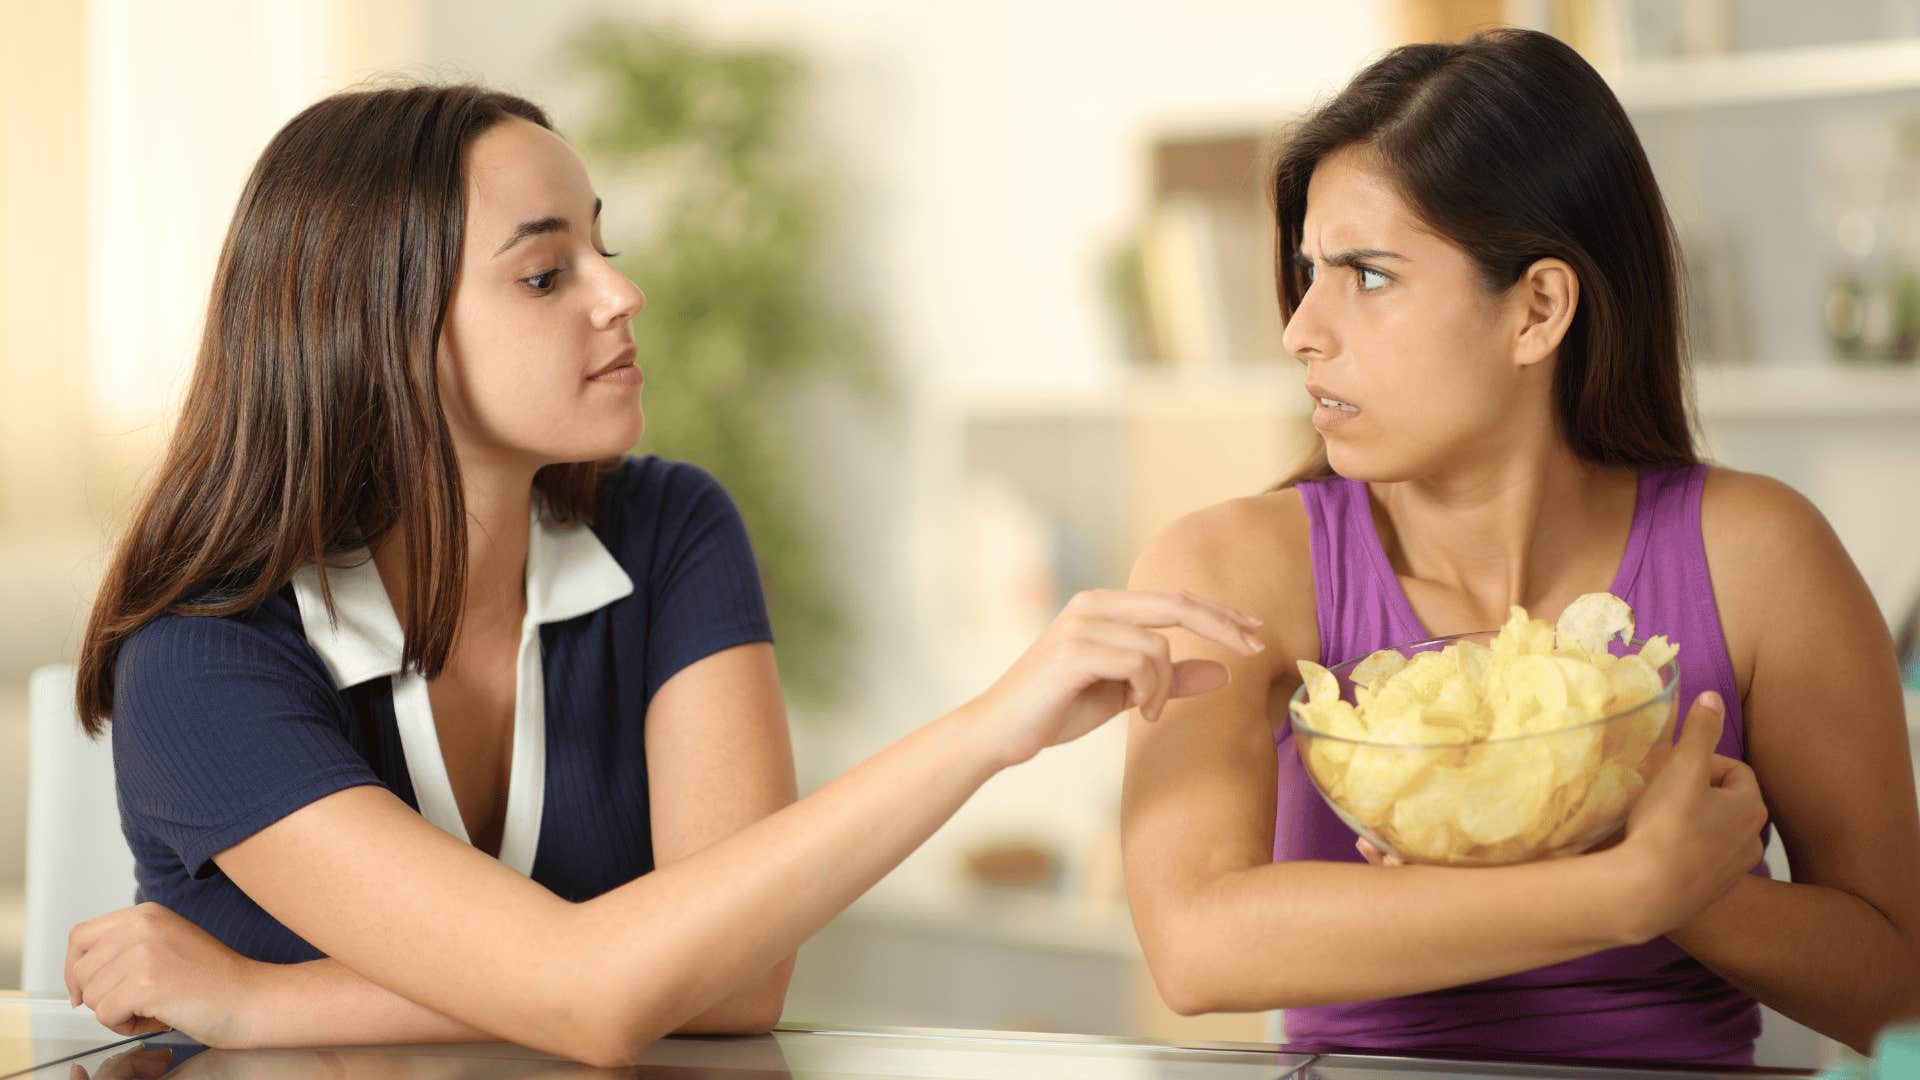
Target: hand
{"type": "Point", "coordinates": [1102, 654]}
{"type": "Point", "coordinates": [145, 969]}
{"type": "Point", "coordinates": [1695, 832]}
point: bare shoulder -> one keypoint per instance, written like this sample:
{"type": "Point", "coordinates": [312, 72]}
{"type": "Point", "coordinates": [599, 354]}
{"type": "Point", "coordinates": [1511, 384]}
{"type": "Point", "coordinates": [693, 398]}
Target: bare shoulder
{"type": "Point", "coordinates": [1754, 526]}
{"type": "Point", "coordinates": [1771, 554]}
{"type": "Point", "coordinates": [1251, 553]}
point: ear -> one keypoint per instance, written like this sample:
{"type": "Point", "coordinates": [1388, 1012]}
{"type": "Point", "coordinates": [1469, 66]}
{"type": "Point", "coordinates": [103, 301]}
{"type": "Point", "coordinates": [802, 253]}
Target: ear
{"type": "Point", "coordinates": [1546, 295]}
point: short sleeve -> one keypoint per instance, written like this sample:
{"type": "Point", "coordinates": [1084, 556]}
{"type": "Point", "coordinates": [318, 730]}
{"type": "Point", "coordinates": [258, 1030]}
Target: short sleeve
{"type": "Point", "coordinates": [221, 729]}
{"type": "Point", "coordinates": [704, 590]}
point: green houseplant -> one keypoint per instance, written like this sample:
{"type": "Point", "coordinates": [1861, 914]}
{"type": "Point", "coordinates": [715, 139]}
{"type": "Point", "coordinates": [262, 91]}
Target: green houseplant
{"type": "Point", "coordinates": [702, 142]}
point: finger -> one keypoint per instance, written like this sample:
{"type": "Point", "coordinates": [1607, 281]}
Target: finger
{"type": "Point", "coordinates": [1241, 617]}
{"type": "Point", "coordinates": [1702, 731]}
{"type": "Point", "coordinates": [1368, 851]}
{"type": "Point", "coordinates": [1717, 767]}
{"type": "Point", "coordinates": [1111, 663]}
{"type": "Point", "coordinates": [92, 968]}
{"type": "Point", "coordinates": [1191, 678]}
{"type": "Point", "coordinates": [97, 992]}
{"type": "Point", "coordinates": [1737, 778]}
{"type": "Point", "coordinates": [83, 937]}
{"type": "Point", "coordinates": [117, 1010]}
{"type": "Point", "coordinates": [1160, 609]}
{"type": "Point", "coordinates": [1148, 643]}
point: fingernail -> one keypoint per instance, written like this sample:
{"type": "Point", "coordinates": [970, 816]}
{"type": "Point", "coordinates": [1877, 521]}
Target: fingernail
{"type": "Point", "coordinates": [1252, 620]}
{"type": "Point", "coordinates": [1254, 643]}
{"type": "Point", "coordinates": [1712, 701]}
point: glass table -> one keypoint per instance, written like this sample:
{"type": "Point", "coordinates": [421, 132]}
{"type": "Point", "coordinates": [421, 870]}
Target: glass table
{"type": "Point", "coordinates": [46, 1039]}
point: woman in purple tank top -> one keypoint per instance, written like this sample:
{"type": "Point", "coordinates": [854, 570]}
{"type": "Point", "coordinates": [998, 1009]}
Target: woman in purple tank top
{"type": "Point", "coordinates": [1480, 279]}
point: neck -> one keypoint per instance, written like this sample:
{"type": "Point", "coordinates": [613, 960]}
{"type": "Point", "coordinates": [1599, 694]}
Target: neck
{"type": "Point", "coordinates": [1520, 526]}
{"type": "Point", "coordinates": [499, 503]}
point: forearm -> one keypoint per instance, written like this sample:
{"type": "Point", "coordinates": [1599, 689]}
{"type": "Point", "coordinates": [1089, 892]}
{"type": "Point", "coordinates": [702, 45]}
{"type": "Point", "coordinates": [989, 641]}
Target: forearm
{"type": "Point", "coordinates": [713, 921]}
{"type": "Point", "coordinates": [752, 1009]}
{"type": "Point", "coordinates": [325, 1003]}
{"type": "Point", "coordinates": [1819, 955]}
{"type": "Point", "coordinates": [1284, 935]}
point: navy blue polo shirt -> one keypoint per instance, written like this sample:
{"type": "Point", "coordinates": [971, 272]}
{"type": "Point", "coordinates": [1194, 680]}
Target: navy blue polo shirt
{"type": "Point", "coordinates": [222, 726]}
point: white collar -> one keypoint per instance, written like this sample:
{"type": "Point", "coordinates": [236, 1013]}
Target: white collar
{"type": "Point", "coordinates": [569, 573]}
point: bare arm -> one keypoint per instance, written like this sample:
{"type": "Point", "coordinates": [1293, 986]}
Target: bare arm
{"type": "Point", "coordinates": [1838, 948]}
{"type": "Point", "coordinates": [406, 907]}
{"type": "Point", "coordinates": [1226, 929]}
{"type": "Point", "coordinates": [718, 759]}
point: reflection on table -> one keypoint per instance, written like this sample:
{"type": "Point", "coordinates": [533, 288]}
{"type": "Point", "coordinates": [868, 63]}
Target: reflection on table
{"type": "Point", "coordinates": [46, 1039]}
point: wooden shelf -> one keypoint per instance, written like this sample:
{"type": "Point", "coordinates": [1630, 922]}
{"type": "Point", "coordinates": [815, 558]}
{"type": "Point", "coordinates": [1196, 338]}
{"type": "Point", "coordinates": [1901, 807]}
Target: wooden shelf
{"type": "Point", "coordinates": [1773, 76]}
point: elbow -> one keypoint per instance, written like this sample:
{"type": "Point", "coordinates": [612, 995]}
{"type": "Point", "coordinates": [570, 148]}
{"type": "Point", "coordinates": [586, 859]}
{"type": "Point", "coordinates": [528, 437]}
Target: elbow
{"type": "Point", "coordinates": [1182, 992]}
{"type": "Point", "coordinates": [1182, 983]}
{"type": "Point", "coordinates": [610, 1031]}
{"type": "Point", "coordinates": [611, 1043]}
{"type": "Point", "coordinates": [769, 1000]}
{"type": "Point", "coordinates": [760, 1014]}
{"type": "Point", "coordinates": [753, 1010]}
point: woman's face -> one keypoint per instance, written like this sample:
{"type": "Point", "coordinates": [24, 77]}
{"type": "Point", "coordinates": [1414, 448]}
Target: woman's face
{"type": "Point", "coordinates": [537, 313]}
{"type": "Point", "coordinates": [1397, 326]}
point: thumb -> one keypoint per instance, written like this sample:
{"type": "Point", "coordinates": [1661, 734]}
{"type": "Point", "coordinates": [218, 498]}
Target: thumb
{"type": "Point", "coordinates": [1193, 677]}
{"type": "Point", "coordinates": [1702, 733]}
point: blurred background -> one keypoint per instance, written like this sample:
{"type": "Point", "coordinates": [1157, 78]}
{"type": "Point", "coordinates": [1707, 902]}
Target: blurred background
{"type": "Point", "coordinates": [963, 301]}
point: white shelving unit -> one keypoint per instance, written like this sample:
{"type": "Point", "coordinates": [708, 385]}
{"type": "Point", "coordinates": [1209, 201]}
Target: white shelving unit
{"type": "Point", "coordinates": [1771, 76]}
{"type": "Point", "coordinates": [1815, 391]}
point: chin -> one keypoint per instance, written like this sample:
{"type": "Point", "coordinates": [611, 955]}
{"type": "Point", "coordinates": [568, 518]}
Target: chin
{"type": "Point", "coordinates": [1367, 468]}
{"type": "Point", "coordinates": [601, 442]}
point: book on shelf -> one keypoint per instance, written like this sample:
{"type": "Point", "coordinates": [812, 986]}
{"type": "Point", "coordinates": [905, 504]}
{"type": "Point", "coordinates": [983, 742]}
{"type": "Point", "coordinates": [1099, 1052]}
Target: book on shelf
{"type": "Point", "coordinates": [1206, 278]}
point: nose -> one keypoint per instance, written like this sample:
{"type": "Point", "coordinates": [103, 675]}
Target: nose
{"type": "Point", "coordinates": [1306, 336]}
{"type": "Point", "coordinates": [621, 299]}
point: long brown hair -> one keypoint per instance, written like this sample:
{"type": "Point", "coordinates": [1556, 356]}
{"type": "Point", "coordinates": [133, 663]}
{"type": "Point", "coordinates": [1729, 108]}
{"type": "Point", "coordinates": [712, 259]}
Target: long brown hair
{"type": "Point", "coordinates": [1513, 147]}
{"type": "Point", "coordinates": [312, 425]}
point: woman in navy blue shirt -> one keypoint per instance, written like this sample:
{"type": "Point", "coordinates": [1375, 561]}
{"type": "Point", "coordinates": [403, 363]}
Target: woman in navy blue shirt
{"type": "Point", "coordinates": [436, 718]}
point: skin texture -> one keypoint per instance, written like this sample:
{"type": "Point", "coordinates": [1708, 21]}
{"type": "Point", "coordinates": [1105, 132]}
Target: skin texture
{"type": "Point", "coordinates": [429, 939]}
{"type": "Point", "coordinates": [1480, 504]}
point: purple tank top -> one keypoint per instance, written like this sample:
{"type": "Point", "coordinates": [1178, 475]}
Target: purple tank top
{"type": "Point", "coordinates": [1652, 1001]}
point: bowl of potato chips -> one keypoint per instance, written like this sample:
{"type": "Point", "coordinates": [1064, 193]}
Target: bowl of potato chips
{"type": "Point", "coordinates": [1529, 742]}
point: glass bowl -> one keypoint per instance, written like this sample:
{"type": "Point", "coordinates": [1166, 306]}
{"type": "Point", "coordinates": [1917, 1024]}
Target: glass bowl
{"type": "Point", "coordinates": [1498, 800]}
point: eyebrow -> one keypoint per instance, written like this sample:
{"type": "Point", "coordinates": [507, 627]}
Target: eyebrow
{"type": "Point", "coordinates": [540, 227]}
{"type": "Point", "coordinates": [1347, 258]}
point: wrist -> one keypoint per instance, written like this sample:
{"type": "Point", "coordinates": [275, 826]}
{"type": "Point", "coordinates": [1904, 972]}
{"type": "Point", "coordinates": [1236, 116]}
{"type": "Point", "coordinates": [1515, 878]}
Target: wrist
{"type": "Point", "coordinates": [1627, 892]}
{"type": "Point", "coordinates": [263, 992]}
{"type": "Point", "coordinates": [979, 753]}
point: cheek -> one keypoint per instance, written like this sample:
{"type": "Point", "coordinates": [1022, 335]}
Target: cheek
{"type": "Point", "coordinates": [492, 376]}
{"type": "Point", "coordinates": [1436, 379]}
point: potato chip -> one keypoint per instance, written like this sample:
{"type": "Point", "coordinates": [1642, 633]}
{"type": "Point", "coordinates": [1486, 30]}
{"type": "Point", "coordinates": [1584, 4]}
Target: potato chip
{"type": "Point", "coordinates": [1322, 685]}
{"type": "Point", "coordinates": [1593, 620]}
{"type": "Point", "coordinates": [1378, 665]}
{"type": "Point", "coordinates": [1486, 753]}
{"type": "Point", "coordinates": [1658, 652]}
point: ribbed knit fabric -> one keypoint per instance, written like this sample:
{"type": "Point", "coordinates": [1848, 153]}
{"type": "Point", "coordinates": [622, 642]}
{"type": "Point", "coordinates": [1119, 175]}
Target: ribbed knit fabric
{"type": "Point", "coordinates": [1653, 1001]}
{"type": "Point", "coordinates": [223, 726]}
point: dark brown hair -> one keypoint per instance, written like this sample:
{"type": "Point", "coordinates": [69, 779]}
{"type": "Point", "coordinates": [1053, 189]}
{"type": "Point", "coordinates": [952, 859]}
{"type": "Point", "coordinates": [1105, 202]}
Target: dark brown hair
{"type": "Point", "coordinates": [312, 425]}
{"type": "Point", "coordinates": [1511, 146]}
